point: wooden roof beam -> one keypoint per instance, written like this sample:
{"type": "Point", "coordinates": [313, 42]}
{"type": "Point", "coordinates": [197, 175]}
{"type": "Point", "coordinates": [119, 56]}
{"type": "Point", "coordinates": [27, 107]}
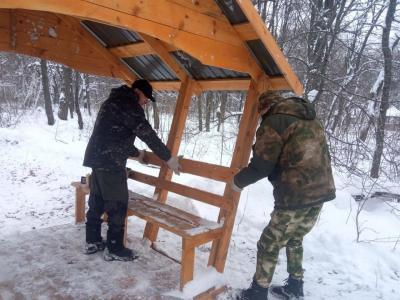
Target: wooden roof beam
{"type": "Point", "coordinates": [272, 83]}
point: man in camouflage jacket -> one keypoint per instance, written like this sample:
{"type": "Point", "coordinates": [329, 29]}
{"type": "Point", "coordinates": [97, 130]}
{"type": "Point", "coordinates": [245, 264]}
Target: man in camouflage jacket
{"type": "Point", "coordinates": [121, 118]}
{"type": "Point", "coordinates": [290, 150]}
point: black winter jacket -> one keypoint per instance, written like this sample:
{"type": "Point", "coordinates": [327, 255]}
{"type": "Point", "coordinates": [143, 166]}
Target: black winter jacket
{"type": "Point", "coordinates": [118, 122]}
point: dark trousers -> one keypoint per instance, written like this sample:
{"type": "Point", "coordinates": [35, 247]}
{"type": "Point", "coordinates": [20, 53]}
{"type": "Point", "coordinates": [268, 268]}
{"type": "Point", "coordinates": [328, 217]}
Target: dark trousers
{"type": "Point", "coordinates": [108, 193]}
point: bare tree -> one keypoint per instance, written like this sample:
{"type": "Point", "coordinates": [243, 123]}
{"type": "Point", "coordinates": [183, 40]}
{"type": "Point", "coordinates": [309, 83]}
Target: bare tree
{"type": "Point", "coordinates": [46, 93]}
{"type": "Point", "coordinates": [387, 81]}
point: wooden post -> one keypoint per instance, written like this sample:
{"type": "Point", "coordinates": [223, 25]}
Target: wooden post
{"type": "Point", "coordinates": [241, 153]}
{"type": "Point", "coordinates": [174, 141]}
{"type": "Point", "coordinates": [80, 196]}
{"type": "Point", "coordinates": [187, 263]}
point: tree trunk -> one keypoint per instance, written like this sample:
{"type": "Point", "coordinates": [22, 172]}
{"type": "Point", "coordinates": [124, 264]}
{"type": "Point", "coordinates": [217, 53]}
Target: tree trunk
{"type": "Point", "coordinates": [86, 95]}
{"type": "Point", "coordinates": [67, 81]}
{"type": "Point", "coordinates": [222, 107]}
{"type": "Point", "coordinates": [200, 111]}
{"type": "Point", "coordinates": [46, 93]}
{"type": "Point", "coordinates": [387, 81]}
{"type": "Point", "coordinates": [208, 96]}
{"type": "Point", "coordinates": [76, 99]}
{"type": "Point", "coordinates": [156, 115]}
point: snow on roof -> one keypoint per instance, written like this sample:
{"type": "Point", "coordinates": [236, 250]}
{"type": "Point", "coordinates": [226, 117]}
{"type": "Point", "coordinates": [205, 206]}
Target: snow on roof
{"type": "Point", "coordinates": [393, 112]}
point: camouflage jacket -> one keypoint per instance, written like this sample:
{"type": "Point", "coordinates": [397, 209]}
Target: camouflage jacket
{"type": "Point", "coordinates": [118, 122]}
{"type": "Point", "coordinates": [291, 150]}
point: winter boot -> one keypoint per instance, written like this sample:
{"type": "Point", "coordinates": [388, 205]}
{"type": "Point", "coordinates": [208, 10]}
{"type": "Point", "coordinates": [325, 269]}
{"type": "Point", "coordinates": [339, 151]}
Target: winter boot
{"type": "Point", "coordinates": [93, 247]}
{"type": "Point", "coordinates": [292, 290]}
{"type": "Point", "coordinates": [115, 249]}
{"type": "Point", "coordinates": [94, 241]}
{"type": "Point", "coordinates": [254, 292]}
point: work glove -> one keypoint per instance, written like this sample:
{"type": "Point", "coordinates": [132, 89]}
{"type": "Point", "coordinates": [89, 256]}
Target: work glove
{"type": "Point", "coordinates": [142, 157]}
{"type": "Point", "coordinates": [235, 187]}
{"type": "Point", "coordinates": [173, 164]}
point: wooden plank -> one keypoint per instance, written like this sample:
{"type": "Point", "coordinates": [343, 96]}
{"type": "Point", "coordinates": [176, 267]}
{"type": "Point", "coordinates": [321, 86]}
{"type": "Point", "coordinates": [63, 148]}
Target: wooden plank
{"type": "Point", "coordinates": [5, 18]}
{"type": "Point", "coordinates": [198, 168]}
{"type": "Point", "coordinates": [213, 48]}
{"type": "Point", "coordinates": [166, 85]}
{"type": "Point", "coordinates": [173, 143]}
{"type": "Point", "coordinates": [132, 50]}
{"type": "Point", "coordinates": [175, 15]}
{"type": "Point", "coordinates": [241, 154]}
{"type": "Point", "coordinates": [80, 196]}
{"type": "Point", "coordinates": [272, 83]}
{"type": "Point", "coordinates": [210, 294]}
{"type": "Point", "coordinates": [246, 32]}
{"type": "Point", "coordinates": [206, 7]}
{"type": "Point", "coordinates": [187, 262]}
{"type": "Point", "coordinates": [270, 44]}
{"type": "Point", "coordinates": [183, 190]}
{"type": "Point", "coordinates": [138, 49]}
{"type": "Point", "coordinates": [224, 84]}
{"type": "Point", "coordinates": [173, 219]}
{"type": "Point", "coordinates": [163, 53]}
{"type": "Point", "coordinates": [13, 30]}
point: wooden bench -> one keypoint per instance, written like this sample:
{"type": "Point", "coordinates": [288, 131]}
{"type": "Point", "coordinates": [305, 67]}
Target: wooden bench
{"type": "Point", "coordinates": [193, 230]}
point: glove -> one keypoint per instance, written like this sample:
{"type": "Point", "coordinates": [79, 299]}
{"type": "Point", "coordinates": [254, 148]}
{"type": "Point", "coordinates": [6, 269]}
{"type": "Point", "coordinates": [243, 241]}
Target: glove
{"type": "Point", "coordinates": [173, 164]}
{"type": "Point", "coordinates": [235, 187]}
{"type": "Point", "coordinates": [142, 157]}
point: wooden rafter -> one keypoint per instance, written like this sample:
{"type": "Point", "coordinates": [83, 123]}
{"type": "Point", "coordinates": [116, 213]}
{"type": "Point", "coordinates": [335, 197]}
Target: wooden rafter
{"type": "Point", "coordinates": [126, 74]}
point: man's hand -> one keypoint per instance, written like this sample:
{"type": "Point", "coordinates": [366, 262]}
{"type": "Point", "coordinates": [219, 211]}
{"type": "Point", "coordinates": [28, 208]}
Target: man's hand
{"type": "Point", "coordinates": [235, 187]}
{"type": "Point", "coordinates": [173, 164]}
{"type": "Point", "coordinates": [142, 157]}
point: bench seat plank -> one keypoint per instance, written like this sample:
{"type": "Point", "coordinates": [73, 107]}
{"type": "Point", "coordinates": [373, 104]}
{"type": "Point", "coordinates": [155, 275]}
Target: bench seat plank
{"type": "Point", "coordinates": [171, 218]}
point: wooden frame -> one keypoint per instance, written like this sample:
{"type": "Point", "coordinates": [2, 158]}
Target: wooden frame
{"type": "Point", "coordinates": [197, 27]}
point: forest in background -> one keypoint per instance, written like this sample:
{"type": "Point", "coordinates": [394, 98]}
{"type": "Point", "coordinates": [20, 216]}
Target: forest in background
{"type": "Point", "coordinates": [345, 53]}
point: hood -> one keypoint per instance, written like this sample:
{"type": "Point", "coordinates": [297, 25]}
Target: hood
{"type": "Point", "coordinates": [294, 106]}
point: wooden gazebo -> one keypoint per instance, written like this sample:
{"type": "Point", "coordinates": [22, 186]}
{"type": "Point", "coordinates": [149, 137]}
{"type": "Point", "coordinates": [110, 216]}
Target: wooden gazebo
{"type": "Point", "coordinates": [185, 45]}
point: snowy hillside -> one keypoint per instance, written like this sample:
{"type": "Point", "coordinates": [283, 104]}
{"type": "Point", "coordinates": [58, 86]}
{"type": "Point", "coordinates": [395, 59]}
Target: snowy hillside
{"type": "Point", "coordinates": [38, 163]}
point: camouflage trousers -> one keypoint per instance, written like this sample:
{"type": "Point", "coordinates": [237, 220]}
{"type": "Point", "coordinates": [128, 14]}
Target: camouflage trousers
{"type": "Point", "coordinates": [286, 228]}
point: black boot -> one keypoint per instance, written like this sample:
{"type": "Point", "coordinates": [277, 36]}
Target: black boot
{"type": "Point", "coordinates": [292, 290]}
{"type": "Point", "coordinates": [254, 292]}
{"type": "Point", "coordinates": [94, 241]}
{"type": "Point", "coordinates": [115, 248]}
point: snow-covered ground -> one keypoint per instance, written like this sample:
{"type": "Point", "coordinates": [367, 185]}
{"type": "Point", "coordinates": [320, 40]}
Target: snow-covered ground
{"type": "Point", "coordinates": [38, 163]}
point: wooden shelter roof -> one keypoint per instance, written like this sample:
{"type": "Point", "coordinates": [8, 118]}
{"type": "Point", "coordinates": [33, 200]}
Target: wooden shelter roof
{"type": "Point", "coordinates": [220, 44]}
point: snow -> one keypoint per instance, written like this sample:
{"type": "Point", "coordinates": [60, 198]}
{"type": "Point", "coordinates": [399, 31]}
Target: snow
{"type": "Point", "coordinates": [378, 82]}
{"type": "Point", "coordinates": [311, 95]}
{"type": "Point", "coordinates": [41, 248]}
{"type": "Point", "coordinates": [393, 112]}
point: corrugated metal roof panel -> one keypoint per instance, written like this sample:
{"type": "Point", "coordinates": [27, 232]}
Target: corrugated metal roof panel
{"type": "Point", "coordinates": [112, 36]}
{"type": "Point", "coordinates": [264, 59]}
{"type": "Point", "coordinates": [150, 67]}
{"type": "Point", "coordinates": [232, 11]}
{"type": "Point", "coordinates": [201, 72]}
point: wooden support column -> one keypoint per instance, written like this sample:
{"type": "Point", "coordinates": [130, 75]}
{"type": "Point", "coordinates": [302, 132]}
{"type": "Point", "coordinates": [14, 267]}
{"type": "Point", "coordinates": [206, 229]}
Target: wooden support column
{"type": "Point", "coordinates": [174, 141]}
{"type": "Point", "coordinates": [80, 196]}
{"type": "Point", "coordinates": [187, 262]}
{"type": "Point", "coordinates": [241, 154]}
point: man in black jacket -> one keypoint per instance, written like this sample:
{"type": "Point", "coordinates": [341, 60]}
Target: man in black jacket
{"type": "Point", "coordinates": [121, 118]}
